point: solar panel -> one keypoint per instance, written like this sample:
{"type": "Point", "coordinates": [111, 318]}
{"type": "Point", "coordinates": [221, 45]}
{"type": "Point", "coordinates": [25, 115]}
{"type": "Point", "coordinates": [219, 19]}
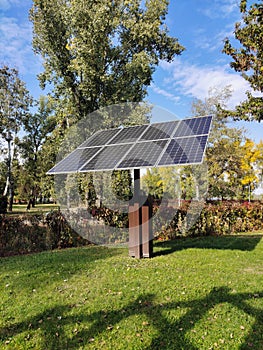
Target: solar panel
{"type": "Point", "coordinates": [129, 134]}
{"type": "Point", "coordinates": [74, 161]}
{"type": "Point", "coordinates": [108, 158]}
{"type": "Point", "coordinates": [143, 154]}
{"type": "Point", "coordinates": [194, 126]}
{"type": "Point", "coordinates": [100, 138]}
{"type": "Point", "coordinates": [187, 150]}
{"type": "Point", "coordinates": [160, 131]}
{"type": "Point", "coordinates": [149, 145]}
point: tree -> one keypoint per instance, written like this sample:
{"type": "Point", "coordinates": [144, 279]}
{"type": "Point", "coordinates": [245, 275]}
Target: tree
{"type": "Point", "coordinates": [248, 59]}
{"type": "Point", "coordinates": [250, 156]}
{"type": "Point", "coordinates": [152, 183]}
{"type": "Point", "coordinates": [223, 154]}
{"type": "Point", "coordinates": [259, 165]}
{"type": "Point", "coordinates": [14, 103]}
{"type": "Point", "coordinates": [37, 127]}
{"type": "Point", "coordinates": [98, 53]}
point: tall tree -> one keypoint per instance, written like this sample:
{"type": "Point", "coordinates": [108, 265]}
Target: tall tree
{"type": "Point", "coordinates": [248, 59]}
{"type": "Point", "coordinates": [37, 127]}
{"type": "Point", "coordinates": [14, 103]}
{"type": "Point", "coordinates": [98, 53]}
{"type": "Point", "coordinates": [223, 154]}
{"type": "Point", "coordinates": [250, 157]}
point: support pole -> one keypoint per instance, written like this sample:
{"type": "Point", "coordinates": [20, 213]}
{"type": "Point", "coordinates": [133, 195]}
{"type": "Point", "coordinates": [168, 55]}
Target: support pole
{"type": "Point", "coordinates": [140, 228]}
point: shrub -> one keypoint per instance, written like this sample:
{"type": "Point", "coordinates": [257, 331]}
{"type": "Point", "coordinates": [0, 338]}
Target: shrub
{"type": "Point", "coordinates": [59, 233]}
{"type": "Point", "coordinates": [34, 233]}
{"type": "Point", "coordinates": [215, 219]}
{"type": "Point", "coordinates": [20, 235]}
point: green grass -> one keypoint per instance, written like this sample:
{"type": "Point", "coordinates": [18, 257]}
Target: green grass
{"type": "Point", "coordinates": [202, 293]}
{"type": "Point", "coordinates": [39, 208]}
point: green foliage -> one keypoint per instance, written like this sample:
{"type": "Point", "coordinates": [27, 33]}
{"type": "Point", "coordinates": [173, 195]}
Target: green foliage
{"type": "Point", "coordinates": [14, 101]}
{"type": "Point", "coordinates": [152, 183]}
{"type": "Point", "coordinates": [215, 219]}
{"type": "Point", "coordinates": [34, 233]}
{"type": "Point", "coordinates": [247, 59]}
{"type": "Point", "coordinates": [121, 183]}
{"type": "Point", "coordinates": [37, 127]}
{"type": "Point", "coordinates": [100, 53]}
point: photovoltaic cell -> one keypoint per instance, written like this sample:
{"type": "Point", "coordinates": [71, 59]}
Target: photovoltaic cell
{"type": "Point", "coordinates": [130, 134]}
{"type": "Point", "coordinates": [75, 160]}
{"type": "Point", "coordinates": [108, 158]}
{"type": "Point", "coordinates": [194, 126]}
{"type": "Point", "coordinates": [143, 154]}
{"type": "Point", "coordinates": [100, 138]}
{"type": "Point", "coordinates": [187, 150]}
{"type": "Point", "coordinates": [160, 131]}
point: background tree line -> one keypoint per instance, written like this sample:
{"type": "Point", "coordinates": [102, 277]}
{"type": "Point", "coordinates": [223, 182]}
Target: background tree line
{"type": "Point", "coordinates": [96, 54]}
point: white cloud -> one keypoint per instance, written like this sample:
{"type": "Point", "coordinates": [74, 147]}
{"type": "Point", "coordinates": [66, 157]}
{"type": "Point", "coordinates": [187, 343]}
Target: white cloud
{"type": "Point", "coordinates": [15, 45]}
{"type": "Point", "coordinates": [194, 81]}
{"type": "Point", "coordinates": [213, 42]}
{"type": "Point", "coordinates": [165, 93]}
{"type": "Point", "coordinates": [7, 4]}
{"type": "Point", "coordinates": [219, 8]}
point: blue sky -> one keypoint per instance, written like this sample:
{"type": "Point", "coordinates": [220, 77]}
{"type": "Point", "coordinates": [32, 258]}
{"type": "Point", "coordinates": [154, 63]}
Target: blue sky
{"type": "Point", "coordinates": [200, 26]}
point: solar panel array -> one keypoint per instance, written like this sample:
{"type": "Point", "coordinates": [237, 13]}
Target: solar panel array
{"type": "Point", "coordinates": [151, 145]}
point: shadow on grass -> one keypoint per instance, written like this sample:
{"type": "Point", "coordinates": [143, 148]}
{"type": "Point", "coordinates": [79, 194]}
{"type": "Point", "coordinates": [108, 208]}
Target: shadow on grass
{"type": "Point", "coordinates": [170, 334]}
{"type": "Point", "coordinates": [240, 242]}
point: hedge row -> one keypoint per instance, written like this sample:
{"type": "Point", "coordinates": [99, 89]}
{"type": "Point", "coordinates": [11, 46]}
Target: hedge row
{"type": "Point", "coordinates": [35, 233]}
{"type": "Point", "coordinates": [214, 219]}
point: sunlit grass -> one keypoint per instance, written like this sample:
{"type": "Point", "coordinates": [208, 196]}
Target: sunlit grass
{"type": "Point", "coordinates": [39, 208]}
{"type": "Point", "coordinates": [202, 293]}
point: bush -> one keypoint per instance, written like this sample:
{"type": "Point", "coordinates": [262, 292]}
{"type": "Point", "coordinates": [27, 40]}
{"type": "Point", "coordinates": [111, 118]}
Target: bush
{"type": "Point", "coordinates": [215, 219]}
{"type": "Point", "coordinates": [20, 235]}
{"type": "Point", "coordinates": [59, 233]}
{"type": "Point", "coordinates": [35, 233]}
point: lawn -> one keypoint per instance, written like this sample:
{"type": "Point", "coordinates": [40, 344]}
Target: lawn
{"type": "Point", "coordinates": [201, 293]}
{"type": "Point", "coordinates": [39, 208]}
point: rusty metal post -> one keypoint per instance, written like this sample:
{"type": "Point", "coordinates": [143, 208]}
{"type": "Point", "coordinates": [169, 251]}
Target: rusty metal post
{"type": "Point", "coordinates": [146, 228]}
{"type": "Point", "coordinates": [135, 246]}
{"type": "Point", "coordinates": [140, 224]}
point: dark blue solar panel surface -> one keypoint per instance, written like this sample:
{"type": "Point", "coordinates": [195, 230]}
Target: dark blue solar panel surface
{"type": "Point", "coordinates": [187, 150]}
{"type": "Point", "coordinates": [149, 145]}
{"type": "Point", "coordinates": [130, 134]}
{"type": "Point", "coordinates": [143, 154]}
{"type": "Point", "coordinates": [75, 160]}
{"type": "Point", "coordinates": [101, 138]}
{"type": "Point", "coordinates": [159, 131]}
{"type": "Point", "coordinates": [194, 126]}
{"type": "Point", "coordinates": [108, 158]}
